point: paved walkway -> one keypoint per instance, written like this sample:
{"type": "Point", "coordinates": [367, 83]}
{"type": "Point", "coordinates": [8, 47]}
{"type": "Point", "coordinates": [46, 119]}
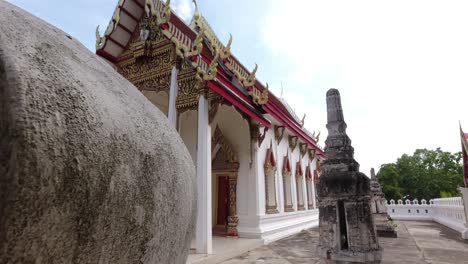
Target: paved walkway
{"type": "Point", "coordinates": [417, 242]}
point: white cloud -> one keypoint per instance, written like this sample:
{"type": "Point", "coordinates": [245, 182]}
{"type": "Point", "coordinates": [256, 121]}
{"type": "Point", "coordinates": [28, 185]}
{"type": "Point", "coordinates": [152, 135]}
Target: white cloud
{"type": "Point", "coordinates": [401, 67]}
{"type": "Point", "coordinates": [184, 9]}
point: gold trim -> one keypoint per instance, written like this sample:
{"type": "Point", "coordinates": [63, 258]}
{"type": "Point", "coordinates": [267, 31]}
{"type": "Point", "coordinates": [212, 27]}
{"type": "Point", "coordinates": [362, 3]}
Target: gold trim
{"type": "Point", "coordinates": [259, 97]}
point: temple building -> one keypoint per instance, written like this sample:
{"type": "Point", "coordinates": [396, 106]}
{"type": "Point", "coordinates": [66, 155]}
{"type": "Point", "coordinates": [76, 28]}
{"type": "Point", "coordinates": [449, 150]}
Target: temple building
{"type": "Point", "coordinates": [257, 166]}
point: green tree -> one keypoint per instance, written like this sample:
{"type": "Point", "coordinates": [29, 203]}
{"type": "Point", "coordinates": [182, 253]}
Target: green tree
{"type": "Point", "coordinates": [426, 174]}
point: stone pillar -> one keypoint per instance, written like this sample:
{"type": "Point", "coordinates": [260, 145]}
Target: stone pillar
{"type": "Point", "coordinates": [204, 226]}
{"type": "Point", "coordinates": [346, 225]}
{"type": "Point", "coordinates": [172, 112]}
{"type": "Point", "coordinates": [233, 220]}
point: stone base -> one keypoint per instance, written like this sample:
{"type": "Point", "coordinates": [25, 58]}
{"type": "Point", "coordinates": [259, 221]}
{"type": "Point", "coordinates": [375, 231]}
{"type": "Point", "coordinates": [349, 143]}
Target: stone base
{"type": "Point", "coordinates": [348, 257]}
{"type": "Point", "coordinates": [386, 233]}
{"type": "Point", "coordinates": [232, 226]}
{"type": "Point", "coordinates": [384, 226]}
{"type": "Point", "coordinates": [272, 211]}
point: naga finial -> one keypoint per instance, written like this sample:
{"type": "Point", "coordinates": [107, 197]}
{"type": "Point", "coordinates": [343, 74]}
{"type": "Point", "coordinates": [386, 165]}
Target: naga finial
{"type": "Point", "coordinates": [167, 10]}
{"type": "Point", "coordinates": [254, 70]}
{"type": "Point", "coordinates": [166, 14]}
{"type": "Point", "coordinates": [250, 81]}
{"type": "Point", "coordinates": [318, 137]}
{"type": "Point", "coordinates": [227, 51]}
{"type": "Point", "coordinates": [303, 120]}
{"type": "Point", "coordinates": [213, 69]}
{"type": "Point", "coordinates": [196, 14]}
{"type": "Point", "coordinates": [98, 38]}
{"type": "Point", "coordinates": [197, 44]}
{"type": "Point", "coordinates": [149, 8]}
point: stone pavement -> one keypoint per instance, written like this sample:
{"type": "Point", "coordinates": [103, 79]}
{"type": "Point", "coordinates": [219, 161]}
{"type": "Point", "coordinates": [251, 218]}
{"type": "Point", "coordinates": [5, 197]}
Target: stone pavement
{"type": "Point", "coordinates": [417, 242]}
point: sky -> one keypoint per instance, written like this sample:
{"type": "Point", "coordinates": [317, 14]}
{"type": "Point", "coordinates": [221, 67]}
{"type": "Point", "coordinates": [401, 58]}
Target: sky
{"type": "Point", "coordinates": [401, 66]}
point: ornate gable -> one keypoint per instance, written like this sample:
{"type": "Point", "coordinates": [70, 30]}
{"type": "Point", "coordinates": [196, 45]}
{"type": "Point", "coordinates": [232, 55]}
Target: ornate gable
{"type": "Point", "coordinates": [270, 162]}
{"type": "Point", "coordinates": [225, 156]}
{"type": "Point", "coordinates": [286, 166]}
{"type": "Point", "coordinates": [308, 173]}
{"type": "Point", "coordinates": [299, 171]}
{"type": "Point", "coordinates": [316, 176]}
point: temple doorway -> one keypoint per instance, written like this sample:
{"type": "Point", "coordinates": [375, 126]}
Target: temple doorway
{"type": "Point", "coordinates": [221, 206]}
{"type": "Point", "coordinates": [225, 167]}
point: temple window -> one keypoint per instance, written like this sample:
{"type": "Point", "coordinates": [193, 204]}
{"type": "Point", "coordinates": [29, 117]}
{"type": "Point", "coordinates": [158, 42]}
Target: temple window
{"type": "Point", "coordinates": [286, 171]}
{"type": "Point", "coordinates": [270, 182]}
{"type": "Point", "coordinates": [310, 203]}
{"type": "Point", "coordinates": [299, 187]}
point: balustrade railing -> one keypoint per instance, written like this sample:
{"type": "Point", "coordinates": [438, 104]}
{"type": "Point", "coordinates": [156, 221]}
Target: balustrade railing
{"type": "Point", "coordinates": [447, 211]}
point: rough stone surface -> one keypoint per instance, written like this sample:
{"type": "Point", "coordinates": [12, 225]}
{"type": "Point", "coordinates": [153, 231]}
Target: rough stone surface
{"type": "Point", "coordinates": [379, 209]}
{"type": "Point", "coordinates": [90, 170]}
{"type": "Point", "coordinates": [346, 226]}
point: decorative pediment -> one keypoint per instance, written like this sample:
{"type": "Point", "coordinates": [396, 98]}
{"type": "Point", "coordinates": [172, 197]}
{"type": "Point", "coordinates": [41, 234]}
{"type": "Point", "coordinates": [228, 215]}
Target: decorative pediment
{"type": "Point", "coordinates": [256, 135]}
{"type": "Point", "coordinates": [308, 173]}
{"type": "Point", "coordinates": [286, 166]}
{"type": "Point", "coordinates": [292, 142]}
{"type": "Point", "coordinates": [312, 153]}
{"type": "Point", "coordinates": [270, 162]}
{"type": "Point", "coordinates": [316, 176]}
{"type": "Point", "coordinates": [225, 156]}
{"type": "Point", "coordinates": [279, 133]}
{"type": "Point", "coordinates": [303, 148]}
{"type": "Point", "coordinates": [299, 171]}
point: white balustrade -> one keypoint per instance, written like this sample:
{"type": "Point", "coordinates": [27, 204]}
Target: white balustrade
{"type": "Point", "coordinates": [447, 211]}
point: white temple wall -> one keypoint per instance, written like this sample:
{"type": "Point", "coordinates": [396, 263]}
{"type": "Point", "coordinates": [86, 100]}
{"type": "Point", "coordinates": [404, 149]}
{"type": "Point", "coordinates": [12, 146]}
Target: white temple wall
{"type": "Point", "coordinates": [446, 211]}
{"type": "Point", "coordinates": [282, 150]}
{"type": "Point", "coordinates": [271, 227]}
{"type": "Point", "coordinates": [260, 175]}
{"type": "Point", "coordinates": [295, 157]}
{"type": "Point", "coordinates": [188, 124]}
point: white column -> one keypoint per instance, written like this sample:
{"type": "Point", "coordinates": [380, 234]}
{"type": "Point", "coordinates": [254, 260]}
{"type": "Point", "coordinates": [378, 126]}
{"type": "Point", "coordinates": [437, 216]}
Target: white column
{"type": "Point", "coordinates": [252, 185]}
{"type": "Point", "coordinates": [172, 115]}
{"type": "Point", "coordinates": [280, 190]}
{"type": "Point", "coordinates": [203, 233]}
{"type": "Point", "coordinates": [305, 198]}
{"type": "Point", "coordinates": [294, 198]}
{"type": "Point", "coordinates": [313, 194]}
{"type": "Point", "coordinates": [279, 176]}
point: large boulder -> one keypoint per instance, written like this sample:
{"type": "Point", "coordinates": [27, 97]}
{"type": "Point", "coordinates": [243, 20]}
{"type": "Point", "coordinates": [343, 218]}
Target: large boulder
{"type": "Point", "coordinates": [90, 170]}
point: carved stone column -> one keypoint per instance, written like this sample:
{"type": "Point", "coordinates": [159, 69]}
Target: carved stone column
{"type": "Point", "coordinates": [233, 220]}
